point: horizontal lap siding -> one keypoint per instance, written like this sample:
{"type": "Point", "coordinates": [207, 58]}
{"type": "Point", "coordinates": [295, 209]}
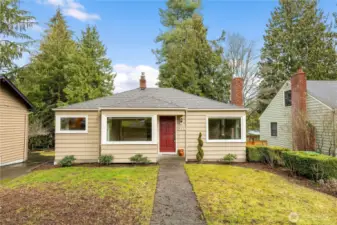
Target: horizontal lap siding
{"type": "Point", "coordinates": [322, 118]}
{"type": "Point", "coordinates": [277, 112]}
{"type": "Point", "coordinates": [123, 152]}
{"type": "Point", "coordinates": [85, 147]}
{"type": "Point", "coordinates": [13, 128]}
{"type": "Point", "coordinates": [213, 151]}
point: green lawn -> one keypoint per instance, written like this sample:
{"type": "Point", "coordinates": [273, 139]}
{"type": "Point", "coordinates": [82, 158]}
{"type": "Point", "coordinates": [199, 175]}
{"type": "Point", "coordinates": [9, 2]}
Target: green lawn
{"type": "Point", "coordinates": [80, 195]}
{"type": "Point", "coordinates": [235, 195]}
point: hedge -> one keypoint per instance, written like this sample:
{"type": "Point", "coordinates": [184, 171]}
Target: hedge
{"type": "Point", "coordinates": [311, 164]}
{"type": "Point", "coordinates": [266, 154]}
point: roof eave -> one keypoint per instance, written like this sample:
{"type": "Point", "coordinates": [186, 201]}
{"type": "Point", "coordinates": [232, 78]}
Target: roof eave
{"type": "Point", "coordinates": [29, 105]}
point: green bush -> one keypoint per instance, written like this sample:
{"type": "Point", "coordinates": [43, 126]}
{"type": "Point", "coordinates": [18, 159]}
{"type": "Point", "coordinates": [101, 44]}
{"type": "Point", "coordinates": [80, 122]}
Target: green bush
{"type": "Point", "coordinates": [105, 159]}
{"type": "Point", "coordinates": [67, 161]}
{"type": "Point", "coordinates": [139, 159]}
{"type": "Point", "coordinates": [311, 165]}
{"type": "Point", "coordinates": [271, 155]}
{"type": "Point", "coordinates": [229, 158]}
{"type": "Point", "coordinates": [254, 154]}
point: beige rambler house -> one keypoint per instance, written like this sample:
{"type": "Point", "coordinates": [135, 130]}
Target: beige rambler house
{"type": "Point", "coordinates": [14, 110]}
{"type": "Point", "coordinates": [298, 100]}
{"type": "Point", "coordinates": [152, 122]}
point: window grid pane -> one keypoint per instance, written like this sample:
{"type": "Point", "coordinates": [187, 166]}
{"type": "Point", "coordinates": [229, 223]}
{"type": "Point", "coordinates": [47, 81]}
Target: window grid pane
{"type": "Point", "coordinates": [73, 123]}
{"type": "Point", "coordinates": [224, 129]}
{"type": "Point", "coordinates": [129, 129]}
{"type": "Point", "coordinates": [287, 98]}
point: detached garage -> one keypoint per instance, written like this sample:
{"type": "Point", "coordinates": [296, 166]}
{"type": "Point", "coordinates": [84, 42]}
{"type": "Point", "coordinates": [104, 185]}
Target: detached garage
{"type": "Point", "coordinates": [14, 110]}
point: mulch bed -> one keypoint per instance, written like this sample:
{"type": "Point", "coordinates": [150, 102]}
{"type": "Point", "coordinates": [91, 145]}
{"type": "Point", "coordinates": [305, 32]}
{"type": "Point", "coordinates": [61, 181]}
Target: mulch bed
{"type": "Point", "coordinates": [52, 205]}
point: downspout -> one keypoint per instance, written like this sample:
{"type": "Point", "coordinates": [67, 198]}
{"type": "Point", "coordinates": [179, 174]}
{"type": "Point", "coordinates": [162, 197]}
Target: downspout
{"type": "Point", "coordinates": [334, 131]}
{"type": "Point", "coordinates": [185, 135]}
{"type": "Point", "coordinates": [100, 133]}
{"type": "Point", "coordinates": [25, 145]}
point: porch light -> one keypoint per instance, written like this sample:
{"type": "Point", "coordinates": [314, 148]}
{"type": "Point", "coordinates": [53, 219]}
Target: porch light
{"type": "Point", "coordinates": [181, 120]}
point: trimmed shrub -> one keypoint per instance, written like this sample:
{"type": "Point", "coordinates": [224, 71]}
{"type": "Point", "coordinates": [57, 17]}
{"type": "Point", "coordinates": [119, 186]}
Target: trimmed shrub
{"type": "Point", "coordinates": [67, 161]}
{"type": "Point", "coordinates": [311, 164]}
{"type": "Point", "coordinates": [229, 158]}
{"type": "Point", "coordinates": [105, 159]}
{"type": "Point", "coordinates": [271, 155]}
{"type": "Point", "coordinates": [254, 154]}
{"type": "Point", "coordinates": [139, 159]}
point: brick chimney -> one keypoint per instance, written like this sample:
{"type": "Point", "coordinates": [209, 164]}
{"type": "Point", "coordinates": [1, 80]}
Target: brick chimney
{"type": "Point", "coordinates": [299, 110]}
{"type": "Point", "coordinates": [237, 91]}
{"type": "Point", "coordinates": [142, 81]}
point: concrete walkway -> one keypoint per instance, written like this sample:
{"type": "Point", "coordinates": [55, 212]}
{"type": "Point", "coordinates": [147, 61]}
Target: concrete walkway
{"type": "Point", "coordinates": [175, 201]}
{"type": "Point", "coordinates": [16, 170]}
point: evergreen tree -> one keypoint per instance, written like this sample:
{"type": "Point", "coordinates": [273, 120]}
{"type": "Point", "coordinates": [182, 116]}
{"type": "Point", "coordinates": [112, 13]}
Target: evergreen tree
{"type": "Point", "coordinates": [13, 24]}
{"type": "Point", "coordinates": [188, 61]}
{"type": "Point", "coordinates": [96, 77]}
{"type": "Point", "coordinates": [296, 36]}
{"type": "Point", "coordinates": [200, 153]}
{"type": "Point", "coordinates": [44, 80]}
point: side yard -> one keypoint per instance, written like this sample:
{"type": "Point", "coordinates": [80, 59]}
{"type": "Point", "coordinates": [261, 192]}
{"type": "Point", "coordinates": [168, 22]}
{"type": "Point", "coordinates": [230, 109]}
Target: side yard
{"type": "Point", "coordinates": [80, 195]}
{"type": "Point", "coordinates": [235, 195]}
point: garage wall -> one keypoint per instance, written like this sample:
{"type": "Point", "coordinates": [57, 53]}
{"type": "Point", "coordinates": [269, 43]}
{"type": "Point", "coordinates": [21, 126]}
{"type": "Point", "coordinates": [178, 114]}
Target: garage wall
{"type": "Point", "coordinates": [13, 128]}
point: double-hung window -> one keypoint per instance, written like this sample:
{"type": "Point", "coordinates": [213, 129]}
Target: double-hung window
{"type": "Point", "coordinates": [287, 98]}
{"type": "Point", "coordinates": [128, 129]}
{"type": "Point", "coordinates": [222, 129]}
{"type": "Point", "coordinates": [71, 124]}
{"type": "Point", "coordinates": [273, 129]}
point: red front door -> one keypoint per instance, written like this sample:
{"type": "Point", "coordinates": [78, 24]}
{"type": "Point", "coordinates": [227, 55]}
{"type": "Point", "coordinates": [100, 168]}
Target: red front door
{"type": "Point", "coordinates": [167, 134]}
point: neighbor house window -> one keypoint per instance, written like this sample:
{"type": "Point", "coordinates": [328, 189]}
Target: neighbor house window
{"type": "Point", "coordinates": [287, 98]}
{"type": "Point", "coordinates": [71, 124]}
{"type": "Point", "coordinates": [224, 129]}
{"type": "Point", "coordinates": [273, 129]}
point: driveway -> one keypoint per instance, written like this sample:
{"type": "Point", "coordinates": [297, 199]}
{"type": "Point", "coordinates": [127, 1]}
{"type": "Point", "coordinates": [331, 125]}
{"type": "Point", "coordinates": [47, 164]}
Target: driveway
{"type": "Point", "coordinates": [35, 159]}
{"type": "Point", "coordinates": [16, 170]}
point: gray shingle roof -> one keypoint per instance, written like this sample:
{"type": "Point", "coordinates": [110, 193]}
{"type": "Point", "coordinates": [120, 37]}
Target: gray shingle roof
{"type": "Point", "coordinates": [153, 98]}
{"type": "Point", "coordinates": [325, 91]}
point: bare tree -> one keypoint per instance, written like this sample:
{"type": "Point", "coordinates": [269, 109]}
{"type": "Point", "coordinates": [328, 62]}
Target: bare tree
{"type": "Point", "coordinates": [243, 61]}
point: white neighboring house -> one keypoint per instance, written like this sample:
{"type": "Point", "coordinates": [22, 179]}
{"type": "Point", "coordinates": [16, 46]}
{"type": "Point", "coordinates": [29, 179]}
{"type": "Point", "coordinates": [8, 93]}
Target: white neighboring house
{"type": "Point", "coordinates": [315, 99]}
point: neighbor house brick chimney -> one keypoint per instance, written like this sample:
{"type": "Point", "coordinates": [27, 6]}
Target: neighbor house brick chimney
{"type": "Point", "coordinates": [237, 91]}
{"type": "Point", "coordinates": [299, 110]}
{"type": "Point", "coordinates": [142, 81]}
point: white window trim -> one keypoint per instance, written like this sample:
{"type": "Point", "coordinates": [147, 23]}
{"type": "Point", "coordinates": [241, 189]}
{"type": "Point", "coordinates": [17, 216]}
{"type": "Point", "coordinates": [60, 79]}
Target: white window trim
{"type": "Point", "coordinates": [58, 124]}
{"type": "Point", "coordinates": [104, 140]}
{"type": "Point", "coordinates": [243, 128]}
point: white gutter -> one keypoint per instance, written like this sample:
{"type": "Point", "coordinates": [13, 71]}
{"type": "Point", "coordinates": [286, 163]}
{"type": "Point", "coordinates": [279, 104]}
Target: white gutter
{"type": "Point", "coordinates": [160, 109]}
{"type": "Point", "coordinates": [75, 109]}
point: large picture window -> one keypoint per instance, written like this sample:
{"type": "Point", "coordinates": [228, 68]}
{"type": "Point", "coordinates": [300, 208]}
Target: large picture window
{"type": "Point", "coordinates": [71, 124]}
{"type": "Point", "coordinates": [129, 129]}
{"type": "Point", "coordinates": [224, 129]}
